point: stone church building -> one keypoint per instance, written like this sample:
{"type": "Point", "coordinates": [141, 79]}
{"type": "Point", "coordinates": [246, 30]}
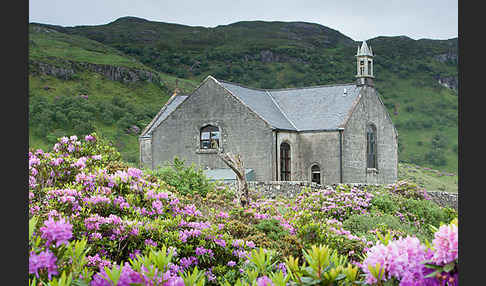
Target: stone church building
{"type": "Point", "coordinates": [328, 134]}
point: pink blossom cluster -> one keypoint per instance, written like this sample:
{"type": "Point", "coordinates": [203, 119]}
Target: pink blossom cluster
{"type": "Point", "coordinates": [402, 259]}
{"type": "Point", "coordinates": [445, 244]}
{"type": "Point", "coordinates": [59, 231]}
{"type": "Point", "coordinates": [44, 261]}
{"type": "Point", "coordinates": [405, 258]}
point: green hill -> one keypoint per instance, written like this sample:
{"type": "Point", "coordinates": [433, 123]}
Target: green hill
{"type": "Point", "coordinates": [410, 74]}
{"type": "Point", "coordinates": [77, 86]}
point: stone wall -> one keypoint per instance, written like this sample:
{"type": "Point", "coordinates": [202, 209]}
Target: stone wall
{"type": "Point", "coordinates": [445, 198]}
{"type": "Point", "coordinates": [241, 132]}
{"type": "Point", "coordinates": [273, 189]}
{"type": "Point", "coordinates": [369, 110]}
{"type": "Point", "coordinates": [290, 189]}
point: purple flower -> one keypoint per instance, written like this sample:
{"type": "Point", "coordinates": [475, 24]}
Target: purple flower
{"type": "Point", "coordinates": [89, 138]}
{"type": "Point", "coordinates": [128, 277]}
{"type": "Point", "coordinates": [223, 214]}
{"type": "Point", "coordinates": [174, 281]}
{"type": "Point", "coordinates": [201, 251]}
{"type": "Point", "coordinates": [185, 262]}
{"type": "Point", "coordinates": [44, 260]}
{"type": "Point", "coordinates": [264, 281]}
{"type": "Point", "coordinates": [250, 244]}
{"type": "Point", "coordinates": [231, 263]}
{"type": "Point", "coordinates": [150, 242]}
{"type": "Point", "coordinates": [59, 231]}
{"type": "Point", "coordinates": [220, 242]}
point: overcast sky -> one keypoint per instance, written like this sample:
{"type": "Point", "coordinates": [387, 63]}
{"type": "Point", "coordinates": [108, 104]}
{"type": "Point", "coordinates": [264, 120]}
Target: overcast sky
{"type": "Point", "coordinates": [360, 20]}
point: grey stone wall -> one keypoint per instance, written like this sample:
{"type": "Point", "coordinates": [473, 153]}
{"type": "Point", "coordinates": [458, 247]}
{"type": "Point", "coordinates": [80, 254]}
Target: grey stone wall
{"type": "Point", "coordinates": [445, 199]}
{"type": "Point", "coordinates": [309, 148]}
{"type": "Point", "coordinates": [369, 109]}
{"type": "Point", "coordinates": [242, 132]}
{"type": "Point", "coordinates": [145, 152]}
{"type": "Point", "coordinates": [273, 189]}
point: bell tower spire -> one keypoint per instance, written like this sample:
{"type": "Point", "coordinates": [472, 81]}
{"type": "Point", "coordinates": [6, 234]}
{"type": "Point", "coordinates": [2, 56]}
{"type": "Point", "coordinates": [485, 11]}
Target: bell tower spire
{"type": "Point", "coordinates": [364, 65]}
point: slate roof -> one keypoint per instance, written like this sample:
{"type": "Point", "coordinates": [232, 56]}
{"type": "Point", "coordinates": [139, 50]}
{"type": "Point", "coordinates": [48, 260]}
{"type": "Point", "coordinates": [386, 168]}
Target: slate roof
{"type": "Point", "coordinates": [298, 109]}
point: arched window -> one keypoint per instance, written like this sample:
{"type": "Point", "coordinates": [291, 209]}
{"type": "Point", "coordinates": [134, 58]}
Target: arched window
{"type": "Point", "coordinates": [284, 162]}
{"type": "Point", "coordinates": [209, 137]}
{"type": "Point", "coordinates": [371, 146]}
{"type": "Point", "coordinates": [316, 174]}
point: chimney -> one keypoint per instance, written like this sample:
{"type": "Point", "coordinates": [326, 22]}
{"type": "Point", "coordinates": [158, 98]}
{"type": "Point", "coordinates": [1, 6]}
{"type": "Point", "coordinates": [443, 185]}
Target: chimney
{"type": "Point", "coordinates": [176, 90]}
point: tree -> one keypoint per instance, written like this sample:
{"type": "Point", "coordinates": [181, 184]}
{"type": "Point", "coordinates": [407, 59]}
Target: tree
{"type": "Point", "coordinates": [235, 163]}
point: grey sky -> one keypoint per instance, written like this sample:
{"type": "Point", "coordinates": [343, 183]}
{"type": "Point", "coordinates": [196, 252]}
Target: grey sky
{"type": "Point", "coordinates": [360, 20]}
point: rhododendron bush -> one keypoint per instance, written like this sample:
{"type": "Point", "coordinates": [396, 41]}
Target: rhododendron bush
{"type": "Point", "coordinates": [95, 220]}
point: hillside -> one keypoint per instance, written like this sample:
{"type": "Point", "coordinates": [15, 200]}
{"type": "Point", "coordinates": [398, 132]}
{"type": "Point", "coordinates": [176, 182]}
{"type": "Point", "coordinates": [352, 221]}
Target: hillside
{"type": "Point", "coordinates": [417, 79]}
{"type": "Point", "coordinates": [77, 85]}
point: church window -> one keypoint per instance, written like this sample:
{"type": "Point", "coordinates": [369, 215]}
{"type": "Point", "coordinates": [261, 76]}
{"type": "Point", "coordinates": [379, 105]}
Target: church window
{"type": "Point", "coordinates": [210, 137]}
{"type": "Point", "coordinates": [371, 147]}
{"type": "Point", "coordinates": [316, 174]}
{"type": "Point", "coordinates": [361, 68]}
{"type": "Point", "coordinates": [369, 67]}
{"type": "Point", "coordinates": [284, 162]}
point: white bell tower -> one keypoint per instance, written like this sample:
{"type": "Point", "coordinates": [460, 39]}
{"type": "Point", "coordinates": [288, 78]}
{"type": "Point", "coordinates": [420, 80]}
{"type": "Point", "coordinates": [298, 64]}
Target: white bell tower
{"type": "Point", "coordinates": [364, 65]}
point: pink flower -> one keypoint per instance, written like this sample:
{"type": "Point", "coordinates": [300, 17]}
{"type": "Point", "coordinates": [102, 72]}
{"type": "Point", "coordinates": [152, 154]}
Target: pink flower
{"type": "Point", "coordinates": [89, 138]}
{"type": "Point", "coordinates": [59, 231]}
{"type": "Point", "coordinates": [44, 260]}
{"type": "Point", "coordinates": [264, 281]}
{"type": "Point", "coordinates": [445, 244]}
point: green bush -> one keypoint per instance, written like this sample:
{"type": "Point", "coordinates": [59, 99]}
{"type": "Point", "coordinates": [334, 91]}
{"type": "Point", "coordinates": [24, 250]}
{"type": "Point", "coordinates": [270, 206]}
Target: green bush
{"type": "Point", "coordinates": [385, 203]}
{"type": "Point", "coordinates": [367, 226]}
{"type": "Point", "coordinates": [186, 180]}
{"type": "Point", "coordinates": [272, 228]}
{"type": "Point", "coordinates": [428, 211]}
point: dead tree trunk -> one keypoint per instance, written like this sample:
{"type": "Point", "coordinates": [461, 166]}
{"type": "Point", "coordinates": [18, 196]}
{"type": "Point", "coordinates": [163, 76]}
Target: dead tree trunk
{"type": "Point", "coordinates": [235, 163]}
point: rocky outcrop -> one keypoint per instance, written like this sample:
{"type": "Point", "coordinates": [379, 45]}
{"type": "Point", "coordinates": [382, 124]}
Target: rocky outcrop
{"type": "Point", "coordinates": [448, 81]}
{"type": "Point", "coordinates": [67, 70]}
{"type": "Point", "coordinates": [449, 57]}
{"type": "Point", "coordinates": [65, 73]}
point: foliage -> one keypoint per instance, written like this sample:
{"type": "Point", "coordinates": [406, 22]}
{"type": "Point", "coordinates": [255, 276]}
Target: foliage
{"type": "Point", "coordinates": [97, 221]}
{"type": "Point", "coordinates": [186, 180]}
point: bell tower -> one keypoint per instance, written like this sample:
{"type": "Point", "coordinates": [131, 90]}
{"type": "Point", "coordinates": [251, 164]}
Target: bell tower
{"type": "Point", "coordinates": [364, 65]}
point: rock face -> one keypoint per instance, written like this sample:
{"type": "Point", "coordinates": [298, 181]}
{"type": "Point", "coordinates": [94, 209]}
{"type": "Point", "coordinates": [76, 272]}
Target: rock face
{"type": "Point", "coordinates": [68, 69]}
{"type": "Point", "coordinates": [449, 82]}
{"type": "Point", "coordinates": [449, 57]}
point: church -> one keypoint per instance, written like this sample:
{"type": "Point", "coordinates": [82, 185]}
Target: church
{"type": "Point", "coordinates": [329, 134]}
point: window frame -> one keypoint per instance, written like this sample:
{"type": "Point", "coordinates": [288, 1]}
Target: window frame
{"type": "Point", "coordinates": [312, 172]}
{"type": "Point", "coordinates": [285, 162]}
{"type": "Point", "coordinates": [371, 147]}
{"type": "Point", "coordinates": [209, 143]}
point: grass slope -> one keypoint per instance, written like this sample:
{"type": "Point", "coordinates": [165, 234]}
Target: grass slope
{"type": "Point", "coordinates": [93, 101]}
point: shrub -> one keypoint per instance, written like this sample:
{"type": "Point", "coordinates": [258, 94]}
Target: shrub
{"type": "Point", "coordinates": [368, 226]}
{"type": "Point", "coordinates": [272, 228]}
{"type": "Point", "coordinates": [186, 180]}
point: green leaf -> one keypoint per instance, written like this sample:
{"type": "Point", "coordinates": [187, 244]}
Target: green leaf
{"type": "Point", "coordinates": [432, 274]}
{"type": "Point", "coordinates": [449, 267]}
{"type": "Point", "coordinates": [32, 223]}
